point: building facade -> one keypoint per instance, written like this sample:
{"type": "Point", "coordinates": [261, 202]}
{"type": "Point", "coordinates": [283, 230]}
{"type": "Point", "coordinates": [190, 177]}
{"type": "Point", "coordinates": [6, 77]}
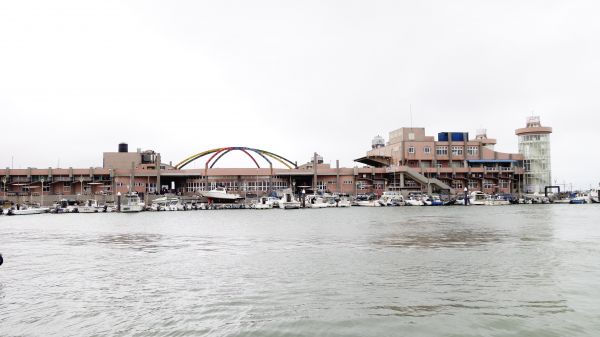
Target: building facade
{"type": "Point", "coordinates": [534, 145]}
{"type": "Point", "coordinates": [410, 161]}
{"type": "Point", "coordinates": [451, 163]}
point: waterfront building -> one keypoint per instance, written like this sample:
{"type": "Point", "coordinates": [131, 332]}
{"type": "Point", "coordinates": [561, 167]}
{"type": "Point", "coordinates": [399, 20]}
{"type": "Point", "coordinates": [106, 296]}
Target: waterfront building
{"type": "Point", "coordinates": [414, 161]}
{"type": "Point", "coordinates": [410, 161]}
{"type": "Point", "coordinates": [534, 145]}
{"type": "Point", "coordinates": [144, 173]}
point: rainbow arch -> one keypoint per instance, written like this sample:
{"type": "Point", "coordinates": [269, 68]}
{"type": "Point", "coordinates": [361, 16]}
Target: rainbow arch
{"type": "Point", "coordinates": [217, 154]}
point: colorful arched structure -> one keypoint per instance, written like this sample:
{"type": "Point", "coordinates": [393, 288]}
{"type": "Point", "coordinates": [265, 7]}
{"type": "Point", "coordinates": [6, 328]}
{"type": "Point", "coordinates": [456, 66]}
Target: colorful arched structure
{"type": "Point", "coordinates": [217, 154]}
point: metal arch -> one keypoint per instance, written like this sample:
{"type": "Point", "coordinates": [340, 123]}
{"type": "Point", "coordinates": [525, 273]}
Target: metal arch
{"type": "Point", "coordinates": [190, 159]}
{"type": "Point", "coordinates": [243, 150]}
{"type": "Point", "coordinates": [224, 150]}
{"type": "Point", "coordinates": [280, 157]}
{"type": "Point", "coordinates": [219, 157]}
{"type": "Point", "coordinates": [215, 154]}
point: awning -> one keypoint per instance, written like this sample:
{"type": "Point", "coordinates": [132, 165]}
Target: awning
{"type": "Point", "coordinates": [493, 161]}
{"type": "Point", "coordinates": [370, 162]}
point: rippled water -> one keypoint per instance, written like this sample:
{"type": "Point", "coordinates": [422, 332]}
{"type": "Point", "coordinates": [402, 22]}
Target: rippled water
{"type": "Point", "coordinates": [407, 271]}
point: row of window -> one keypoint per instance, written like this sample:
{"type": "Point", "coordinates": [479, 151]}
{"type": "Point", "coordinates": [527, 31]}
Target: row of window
{"type": "Point", "coordinates": [197, 185]}
{"type": "Point", "coordinates": [443, 150]}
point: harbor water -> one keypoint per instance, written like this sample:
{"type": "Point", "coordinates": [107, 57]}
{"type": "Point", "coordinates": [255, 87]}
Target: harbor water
{"type": "Point", "coordinates": [531, 270]}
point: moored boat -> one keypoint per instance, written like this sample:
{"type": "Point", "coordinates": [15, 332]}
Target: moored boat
{"type": "Point", "coordinates": [132, 203]}
{"type": "Point", "coordinates": [288, 201]}
{"type": "Point", "coordinates": [220, 194]}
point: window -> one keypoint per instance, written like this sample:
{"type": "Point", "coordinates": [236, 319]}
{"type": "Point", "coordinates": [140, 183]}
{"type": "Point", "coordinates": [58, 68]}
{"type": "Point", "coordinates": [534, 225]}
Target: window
{"type": "Point", "coordinates": [504, 184]}
{"type": "Point", "coordinates": [473, 184]}
{"type": "Point", "coordinates": [457, 164]}
{"type": "Point", "coordinates": [441, 150]}
{"type": "Point", "coordinates": [46, 188]}
{"type": "Point", "coordinates": [427, 150]}
{"type": "Point", "coordinates": [488, 184]}
{"type": "Point", "coordinates": [457, 184]}
{"type": "Point", "coordinates": [410, 184]}
{"type": "Point", "coordinates": [411, 150]}
{"type": "Point", "coordinates": [472, 150]}
{"type": "Point", "coordinates": [347, 182]}
{"type": "Point", "coordinates": [457, 150]}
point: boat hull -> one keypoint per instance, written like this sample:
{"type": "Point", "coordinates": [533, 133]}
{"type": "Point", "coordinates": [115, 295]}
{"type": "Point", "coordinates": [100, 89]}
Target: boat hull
{"type": "Point", "coordinates": [131, 208]}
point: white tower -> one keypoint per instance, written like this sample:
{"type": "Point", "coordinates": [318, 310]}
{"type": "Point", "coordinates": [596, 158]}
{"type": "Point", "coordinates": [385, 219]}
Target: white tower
{"type": "Point", "coordinates": [534, 145]}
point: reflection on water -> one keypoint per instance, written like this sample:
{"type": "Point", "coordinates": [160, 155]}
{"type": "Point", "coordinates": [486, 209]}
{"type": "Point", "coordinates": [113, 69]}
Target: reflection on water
{"type": "Point", "coordinates": [507, 271]}
{"type": "Point", "coordinates": [137, 241]}
{"type": "Point", "coordinates": [445, 238]}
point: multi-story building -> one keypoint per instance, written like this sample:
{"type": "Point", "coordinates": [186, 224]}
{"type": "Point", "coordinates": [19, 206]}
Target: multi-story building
{"type": "Point", "coordinates": [415, 161]}
{"type": "Point", "coordinates": [534, 145]}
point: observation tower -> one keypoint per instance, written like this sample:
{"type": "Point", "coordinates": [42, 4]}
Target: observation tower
{"type": "Point", "coordinates": [534, 145]}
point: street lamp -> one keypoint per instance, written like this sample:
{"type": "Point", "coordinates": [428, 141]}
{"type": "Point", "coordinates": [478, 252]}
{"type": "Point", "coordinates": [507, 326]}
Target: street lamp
{"type": "Point", "coordinates": [81, 181]}
{"type": "Point", "coordinates": [42, 193]}
{"type": "Point", "coordinates": [4, 182]}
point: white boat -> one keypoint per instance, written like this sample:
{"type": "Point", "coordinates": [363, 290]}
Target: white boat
{"type": "Point", "coordinates": [131, 203]}
{"type": "Point", "coordinates": [368, 203]}
{"type": "Point", "coordinates": [342, 200]}
{"type": "Point", "coordinates": [391, 198]}
{"type": "Point", "coordinates": [64, 206]}
{"type": "Point", "coordinates": [496, 201]}
{"type": "Point", "coordinates": [220, 193]}
{"type": "Point", "coordinates": [288, 201]}
{"type": "Point", "coordinates": [478, 198]}
{"type": "Point", "coordinates": [263, 203]}
{"type": "Point", "coordinates": [177, 205]}
{"type": "Point", "coordinates": [160, 204]}
{"type": "Point", "coordinates": [27, 210]}
{"type": "Point", "coordinates": [90, 206]}
{"type": "Point", "coordinates": [414, 201]}
{"type": "Point", "coordinates": [316, 201]}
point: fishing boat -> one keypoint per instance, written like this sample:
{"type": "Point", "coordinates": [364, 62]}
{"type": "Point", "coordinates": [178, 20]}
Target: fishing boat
{"type": "Point", "coordinates": [496, 201]}
{"type": "Point", "coordinates": [64, 206]}
{"type": "Point", "coordinates": [432, 201]}
{"type": "Point", "coordinates": [132, 203]}
{"type": "Point", "coordinates": [478, 198]}
{"type": "Point", "coordinates": [90, 206]}
{"type": "Point", "coordinates": [288, 201]}
{"type": "Point", "coordinates": [578, 199]}
{"type": "Point", "coordinates": [316, 201]}
{"type": "Point", "coordinates": [27, 210]}
{"type": "Point", "coordinates": [391, 198]}
{"type": "Point", "coordinates": [342, 200]}
{"type": "Point", "coordinates": [262, 203]}
{"type": "Point", "coordinates": [414, 200]}
{"type": "Point", "coordinates": [160, 204]}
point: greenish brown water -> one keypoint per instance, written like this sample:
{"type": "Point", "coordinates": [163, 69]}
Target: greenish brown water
{"type": "Point", "coordinates": [406, 271]}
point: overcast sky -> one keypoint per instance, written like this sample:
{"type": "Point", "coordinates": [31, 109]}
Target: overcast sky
{"type": "Point", "coordinates": [293, 77]}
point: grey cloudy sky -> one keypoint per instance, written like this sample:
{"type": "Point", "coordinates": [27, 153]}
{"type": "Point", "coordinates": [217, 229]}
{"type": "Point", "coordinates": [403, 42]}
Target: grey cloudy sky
{"type": "Point", "coordinates": [293, 77]}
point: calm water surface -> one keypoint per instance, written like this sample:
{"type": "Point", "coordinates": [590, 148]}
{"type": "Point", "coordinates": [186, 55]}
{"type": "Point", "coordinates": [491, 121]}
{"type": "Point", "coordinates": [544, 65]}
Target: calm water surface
{"type": "Point", "coordinates": [420, 271]}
